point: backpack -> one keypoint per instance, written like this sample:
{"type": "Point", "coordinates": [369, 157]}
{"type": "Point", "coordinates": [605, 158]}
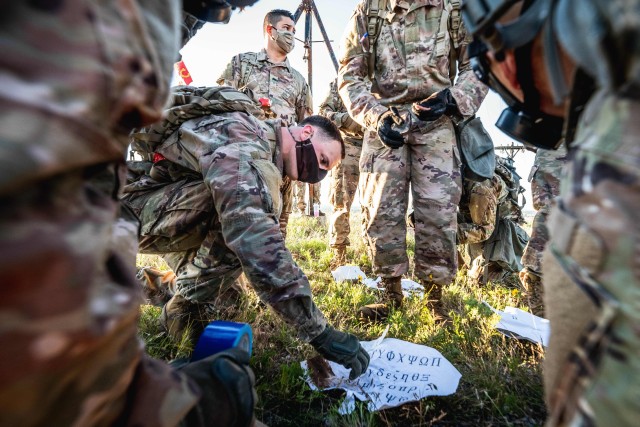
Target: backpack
{"type": "Point", "coordinates": [476, 149]}
{"type": "Point", "coordinates": [188, 102]}
{"type": "Point", "coordinates": [511, 206]}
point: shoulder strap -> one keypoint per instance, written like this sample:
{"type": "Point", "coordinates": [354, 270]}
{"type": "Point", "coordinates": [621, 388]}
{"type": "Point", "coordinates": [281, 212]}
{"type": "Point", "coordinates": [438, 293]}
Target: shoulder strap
{"type": "Point", "coordinates": [246, 60]}
{"type": "Point", "coordinates": [376, 12]}
{"type": "Point", "coordinates": [450, 22]}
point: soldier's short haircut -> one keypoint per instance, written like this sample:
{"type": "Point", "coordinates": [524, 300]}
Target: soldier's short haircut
{"type": "Point", "coordinates": [327, 127]}
{"type": "Point", "coordinates": [273, 17]}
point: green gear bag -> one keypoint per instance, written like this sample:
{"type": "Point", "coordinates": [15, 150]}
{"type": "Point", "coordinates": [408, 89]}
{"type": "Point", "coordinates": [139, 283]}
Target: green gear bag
{"type": "Point", "coordinates": [476, 149]}
{"type": "Point", "coordinates": [188, 102]}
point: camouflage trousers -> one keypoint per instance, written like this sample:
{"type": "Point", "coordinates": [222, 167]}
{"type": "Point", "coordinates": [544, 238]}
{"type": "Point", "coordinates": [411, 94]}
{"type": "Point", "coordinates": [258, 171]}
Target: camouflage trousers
{"type": "Point", "coordinates": [299, 195]}
{"type": "Point", "coordinates": [70, 308]}
{"type": "Point", "coordinates": [591, 271]}
{"type": "Point", "coordinates": [344, 184]}
{"type": "Point", "coordinates": [428, 164]}
{"type": "Point", "coordinates": [188, 235]}
{"type": "Point", "coordinates": [545, 187]}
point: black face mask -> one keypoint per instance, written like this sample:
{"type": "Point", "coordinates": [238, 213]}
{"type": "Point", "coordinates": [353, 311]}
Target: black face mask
{"type": "Point", "coordinates": [522, 121]}
{"type": "Point", "coordinates": [307, 162]}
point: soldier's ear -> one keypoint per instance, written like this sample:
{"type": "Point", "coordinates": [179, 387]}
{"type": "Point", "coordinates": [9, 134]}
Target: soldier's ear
{"type": "Point", "coordinates": [307, 132]}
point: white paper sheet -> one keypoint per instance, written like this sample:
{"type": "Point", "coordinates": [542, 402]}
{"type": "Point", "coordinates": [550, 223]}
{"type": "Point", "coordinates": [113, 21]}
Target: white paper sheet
{"type": "Point", "coordinates": [348, 272]}
{"type": "Point", "coordinates": [354, 273]}
{"type": "Point", "coordinates": [519, 324]}
{"type": "Point", "coordinates": [399, 372]}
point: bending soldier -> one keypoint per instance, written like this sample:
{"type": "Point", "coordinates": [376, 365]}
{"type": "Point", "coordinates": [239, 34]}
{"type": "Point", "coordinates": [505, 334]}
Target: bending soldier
{"type": "Point", "coordinates": [210, 206]}
{"type": "Point", "coordinates": [488, 225]}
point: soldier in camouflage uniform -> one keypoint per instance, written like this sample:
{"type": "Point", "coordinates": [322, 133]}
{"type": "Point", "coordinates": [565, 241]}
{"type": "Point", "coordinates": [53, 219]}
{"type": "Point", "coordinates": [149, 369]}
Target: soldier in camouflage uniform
{"type": "Point", "coordinates": [591, 265]}
{"type": "Point", "coordinates": [414, 148]}
{"type": "Point", "coordinates": [488, 226]}
{"type": "Point", "coordinates": [344, 178]}
{"type": "Point", "coordinates": [545, 187]}
{"type": "Point", "coordinates": [77, 77]}
{"type": "Point", "coordinates": [267, 75]}
{"type": "Point", "coordinates": [210, 206]}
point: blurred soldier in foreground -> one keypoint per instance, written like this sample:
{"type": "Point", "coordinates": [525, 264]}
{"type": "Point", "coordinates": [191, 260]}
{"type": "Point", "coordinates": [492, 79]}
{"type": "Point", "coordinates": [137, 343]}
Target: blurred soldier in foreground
{"type": "Point", "coordinates": [409, 51]}
{"type": "Point", "coordinates": [282, 91]}
{"type": "Point", "coordinates": [77, 76]}
{"type": "Point", "coordinates": [344, 178]}
{"type": "Point", "coordinates": [572, 68]}
{"type": "Point", "coordinates": [488, 225]}
{"type": "Point", "coordinates": [545, 187]}
{"type": "Point", "coordinates": [210, 203]}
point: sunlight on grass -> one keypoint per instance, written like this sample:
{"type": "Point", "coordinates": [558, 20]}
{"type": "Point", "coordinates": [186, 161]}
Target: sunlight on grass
{"type": "Point", "coordinates": [501, 381]}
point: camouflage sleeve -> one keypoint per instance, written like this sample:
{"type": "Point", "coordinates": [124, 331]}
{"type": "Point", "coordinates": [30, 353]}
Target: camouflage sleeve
{"type": "Point", "coordinates": [304, 107]}
{"type": "Point", "coordinates": [362, 106]}
{"type": "Point", "coordinates": [483, 204]}
{"type": "Point", "coordinates": [229, 76]}
{"type": "Point", "coordinates": [468, 91]}
{"type": "Point", "coordinates": [333, 109]}
{"type": "Point", "coordinates": [250, 228]}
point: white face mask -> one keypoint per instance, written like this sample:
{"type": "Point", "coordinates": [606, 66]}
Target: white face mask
{"type": "Point", "coordinates": [284, 39]}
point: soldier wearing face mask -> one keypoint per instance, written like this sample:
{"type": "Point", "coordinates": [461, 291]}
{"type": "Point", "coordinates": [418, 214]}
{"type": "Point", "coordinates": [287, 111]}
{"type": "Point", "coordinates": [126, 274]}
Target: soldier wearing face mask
{"type": "Point", "coordinates": [210, 208]}
{"type": "Point", "coordinates": [270, 80]}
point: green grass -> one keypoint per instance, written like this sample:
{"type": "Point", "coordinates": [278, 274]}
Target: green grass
{"type": "Point", "coordinates": [501, 377]}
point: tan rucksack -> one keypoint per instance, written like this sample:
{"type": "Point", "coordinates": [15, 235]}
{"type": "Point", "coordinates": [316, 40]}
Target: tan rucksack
{"type": "Point", "coordinates": [187, 103]}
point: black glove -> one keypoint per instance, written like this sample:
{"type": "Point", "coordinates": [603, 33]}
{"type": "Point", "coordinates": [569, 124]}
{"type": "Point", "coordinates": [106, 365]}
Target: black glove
{"type": "Point", "coordinates": [388, 135]}
{"type": "Point", "coordinates": [435, 106]}
{"type": "Point", "coordinates": [342, 348]}
{"type": "Point", "coordinates": [226, 382]}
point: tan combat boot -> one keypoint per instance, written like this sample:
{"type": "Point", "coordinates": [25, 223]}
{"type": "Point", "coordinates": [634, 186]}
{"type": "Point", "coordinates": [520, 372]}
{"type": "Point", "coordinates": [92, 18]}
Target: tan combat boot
{"type": "Point", "coordinates": [339, 257]}
{"type": "Point", "coordinates": [184, 319]}
{"type": "Point", "coordinates": [532, 290]}
{"type": "Point", "coordinates": [434, 302]}
{"type": "Point", "coordinates": [392, 297]}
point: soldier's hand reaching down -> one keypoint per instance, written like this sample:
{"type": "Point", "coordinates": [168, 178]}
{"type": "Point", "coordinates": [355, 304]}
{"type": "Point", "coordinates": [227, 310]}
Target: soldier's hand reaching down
{"type": "Point", "coordinates": [387, 129]}
{"type": "Point", "coordinates": [433, 107]}
{"type": "Point", "coordinates": [342, 348]}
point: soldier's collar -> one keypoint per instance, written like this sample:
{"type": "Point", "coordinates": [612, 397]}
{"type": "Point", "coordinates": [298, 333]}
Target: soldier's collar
{"type": "Point", "coordinates": [262, 56]}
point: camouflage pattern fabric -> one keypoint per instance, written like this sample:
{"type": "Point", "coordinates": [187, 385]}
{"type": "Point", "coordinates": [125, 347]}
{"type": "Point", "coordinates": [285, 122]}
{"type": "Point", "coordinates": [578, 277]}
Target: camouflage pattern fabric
{"type": "Point", "coordinates": [300, 192]}
{"type": "Point", "coordinates": [344, 178]}
{"type": "Point", "coordinates": [483, 213]}
{"type": "Point", "coordinates": [290, 97]}
{"type": "Point", "coordinates": [77, 76]}
{"type": "Point", "coordinates": [407, 69]}
{"type": "Point", "coordinates": [282, 84]}
{"type": "Point", "coordinates": [220, 217]}
{"type": "Point", "coordinates": [545, 187]}
{"type": "Point", "coordinates": [591, 272]}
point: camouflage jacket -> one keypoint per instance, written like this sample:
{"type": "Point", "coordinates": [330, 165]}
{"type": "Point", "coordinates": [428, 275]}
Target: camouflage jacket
{"type": "Point", "coordinates": [56, 97]}
{"type": "Point", "coordinates": [407, 66]}
{"type": "Point", "coordinates": [333, 108]}
{"type": "Point", "coordinates": [284, 86]}
{"type": "Point", "coordinates": [239, 158]}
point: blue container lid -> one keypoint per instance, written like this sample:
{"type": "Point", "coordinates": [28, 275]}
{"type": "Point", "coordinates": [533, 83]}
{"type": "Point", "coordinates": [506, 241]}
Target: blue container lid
{"type": "Point", "coordinates": [221, 335]}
